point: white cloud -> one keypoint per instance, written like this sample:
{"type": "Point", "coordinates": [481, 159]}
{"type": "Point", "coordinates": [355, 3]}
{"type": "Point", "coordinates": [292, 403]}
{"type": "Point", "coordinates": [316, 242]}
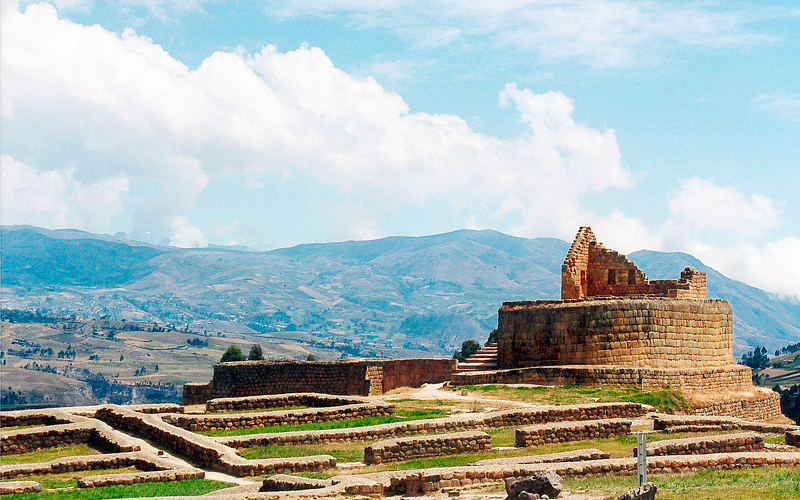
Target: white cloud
{"type": "Point", "coordinates": [702, 205]}
{"type": "Point", "coordinates": [600, 32]}
{"type": "Point", "coordinates": [186, 235]}
{"type": "Point", "coordinates": [121, 106]}
{"type": "Point", "coordinates": [774, 266]}
{"type": "Point", "coordinates": [54, 199]}
{"type": "Point", "coordinates": [781, 104]}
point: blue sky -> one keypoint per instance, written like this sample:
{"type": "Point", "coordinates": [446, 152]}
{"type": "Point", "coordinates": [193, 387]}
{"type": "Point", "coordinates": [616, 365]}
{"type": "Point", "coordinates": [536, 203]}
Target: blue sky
{"type": "Point", "coordinates": [671, 126]}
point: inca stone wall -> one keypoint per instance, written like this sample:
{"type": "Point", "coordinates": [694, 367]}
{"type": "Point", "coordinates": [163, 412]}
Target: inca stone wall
{"type": "Point", "coordinates": [592, 270]}
{"type": "Point", "coordinates": [364, 378]}
{"type": "Point", "coordinates": [432, 445]}
{"type": "Point", "coordinates": [654, 332]}
{"type": "Point", "coordinates": [564, 432]}
{"type": "Point", "coordinates": [196, 423]}
{"type": "Point", "coordinates": [731, 377]}
{"type": "Point", "coordinates": [726, 443]}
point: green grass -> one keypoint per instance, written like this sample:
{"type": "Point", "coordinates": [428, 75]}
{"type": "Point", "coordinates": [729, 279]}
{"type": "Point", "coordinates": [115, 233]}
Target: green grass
{"type": "Point", "coordinates": [763, 483]}
{"type": "Point", "coordinates": [343, 452]}
{"type": "Point", "coordinates": [666, 400]}
{"type": "Point", "coordinates": [402, 416]}
{"type": "Point", "coordinates": [18, 427]}
{"type": "Point", "coordinates": [189, 487]}
{"type": "Point", "coordinates": [48, 454]}
{"type": "Point", "coordinates": [64, 480]}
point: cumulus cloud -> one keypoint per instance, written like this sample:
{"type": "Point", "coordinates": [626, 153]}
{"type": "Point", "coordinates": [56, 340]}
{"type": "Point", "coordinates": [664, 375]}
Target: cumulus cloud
{"type": "Point", "coordinates": [702, 205]}
{"type": "Point", "coordinates": [121, 105]}
{"type": "Point", "coordinates": [55, 199]}
{"type": "Point", "coordinates": [773, 266]}
{"type": "Point", "coordinates": [734, 232]}
{"type": "Point", "coordinates": [186, 235]}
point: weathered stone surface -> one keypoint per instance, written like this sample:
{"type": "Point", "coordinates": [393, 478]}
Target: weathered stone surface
{"type": "Point", "coordinates": [16, 487]}
{"type": "Point", "coordinates": [562, 432]}
{"type": "Point", "coordinates": [647, 491]}
{"type": "Point", "coordinates": [365, 378]}
{"type": "Point", "coordinates": [744, 441]}
{"type": "Point", "coordinates": [431, 445]}
{"type": "Point", "coordinates": [284, 482]}
{"type": "Point", "coordinates": [505, 418]}
{"type": "Point", "coordinates": [540, 483]}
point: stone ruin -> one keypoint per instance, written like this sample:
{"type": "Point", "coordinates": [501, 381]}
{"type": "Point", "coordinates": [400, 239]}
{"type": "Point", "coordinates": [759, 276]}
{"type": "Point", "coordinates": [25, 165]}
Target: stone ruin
{"type": "Point", "coordinates": [616, 326]}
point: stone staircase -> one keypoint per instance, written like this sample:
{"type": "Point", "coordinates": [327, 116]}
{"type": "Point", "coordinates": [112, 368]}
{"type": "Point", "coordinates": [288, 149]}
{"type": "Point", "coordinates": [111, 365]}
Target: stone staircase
{"type": "Point", "coordinates": [483, 360]}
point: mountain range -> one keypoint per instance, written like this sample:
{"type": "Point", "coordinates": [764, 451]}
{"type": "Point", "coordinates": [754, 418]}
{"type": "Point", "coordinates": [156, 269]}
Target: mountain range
{"type": "Point", "coordinates": [398, 296]}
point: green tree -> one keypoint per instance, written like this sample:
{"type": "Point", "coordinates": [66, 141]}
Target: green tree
{"type": "Point", "coordinates": [311, 357]}
{"type": "Point", "coordinates": [256, 354]}
{"type": "Point", "coordinates": [468, 348]}
{"type": "Point", "coordinates": [232, 354]}
{"type": "Point", "coordinates": [756, 359]}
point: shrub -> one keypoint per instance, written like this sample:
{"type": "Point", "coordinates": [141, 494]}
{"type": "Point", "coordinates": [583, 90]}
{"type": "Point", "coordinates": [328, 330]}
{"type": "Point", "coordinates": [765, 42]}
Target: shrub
{"type": "Point", "coordinates": [232, 354]}
{"type": "Point", "coordinates": [256, 354]}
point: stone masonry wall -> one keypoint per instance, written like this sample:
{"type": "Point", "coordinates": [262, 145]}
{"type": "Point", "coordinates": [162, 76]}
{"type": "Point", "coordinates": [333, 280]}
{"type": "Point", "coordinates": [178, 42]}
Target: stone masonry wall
{"type": "Point", "coordinates": [764, 406]}
{"type": "Point", "coordinates": [308, 399]}
{"type": "Point", "coordinates": [592, 270]}
{"type": "Point", "coordinates": [199, 423]}
{"type": "Point", "coordinates": [564, 432]}
{"type": "Point", "coordinates": [505, 418]}
{"type": "Point", "coordinates": [654, 332]}
{"type": "Point", "coordinates": [731, 377]}
{"type": "Point", "coordinates": [725, 443]}
{"type": "Point", "coordinates": [367, 377]}
{"type": "Point", "coordinates": [432, 445]}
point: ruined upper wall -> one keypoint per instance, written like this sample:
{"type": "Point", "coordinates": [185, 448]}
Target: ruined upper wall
{"type": "Point", "coordinates": [592, 270]}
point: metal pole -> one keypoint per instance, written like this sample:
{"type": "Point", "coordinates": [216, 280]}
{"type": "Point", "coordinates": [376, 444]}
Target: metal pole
{"type": "Point", "coordinates": [641, 458]}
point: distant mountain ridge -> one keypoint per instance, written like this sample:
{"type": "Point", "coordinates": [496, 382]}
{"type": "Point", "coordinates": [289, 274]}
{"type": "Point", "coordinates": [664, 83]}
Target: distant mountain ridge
{"type": "Point", "coordinates": [398, 296]}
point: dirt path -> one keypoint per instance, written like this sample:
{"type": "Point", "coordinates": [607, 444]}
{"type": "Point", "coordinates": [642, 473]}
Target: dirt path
{"type": "Point", "coordinates": [434, 391]}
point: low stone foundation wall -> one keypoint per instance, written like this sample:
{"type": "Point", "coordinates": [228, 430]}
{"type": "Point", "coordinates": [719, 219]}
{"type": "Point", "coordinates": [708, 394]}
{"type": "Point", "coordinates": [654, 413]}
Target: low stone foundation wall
{"type": "Point", "coordinates": [414, 482]}
{"type": "Point", "coordinates": [310, 399]}
{"type": "Point", "coordinates": [432, 445]}
{"type": "Point", "coordinates": [690, 423]}
{"type": "Point", "coordinates": [284, 482]}
{"type": "Point", "coordinates": [520, 416]}
{"type": "Point", "coordinates": [142, 461]}
{"type": "Point", "coordinates": [285, 417]}
{"type": "Point", "coordinates": [730, 377]}
{"type": "Point", "coordinates": [548, 458]}
{"type": "Point", "coordinates": [204, 450]}
{"type": "Point", "coordinates": [140, 477]}
{"type": "Point", "coordinates": [726, 443]}
{"type": "Point", "coordinates": [765, 406]}
{"type": "Point", "coordinates": [34, 418]}
{"type": "Point", "coordinates": [564, 432]}
{"type": "Point", "coordinates": [17, 487]}
{"type": "Point", "coordinates": [792, 438]}
{"type": "Point", "coordinates": [54, 436]}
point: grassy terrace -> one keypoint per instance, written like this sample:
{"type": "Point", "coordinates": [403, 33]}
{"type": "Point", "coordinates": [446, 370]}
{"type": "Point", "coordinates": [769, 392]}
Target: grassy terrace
{"type": "Point", "coordinates": [65, 480]}
{"type": "Point", "coordinates": [48, 454]}
{"type": "Point", "coordinates": [403, 415]}
{"type": "Point", "coordinates": [619, 447]}
{"type": "Point", "coordinates": [189, 487]}
{"type": "Point", "coordinates": [764, 483]}
{"type": "Point", "coordinates": [666, 400]}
